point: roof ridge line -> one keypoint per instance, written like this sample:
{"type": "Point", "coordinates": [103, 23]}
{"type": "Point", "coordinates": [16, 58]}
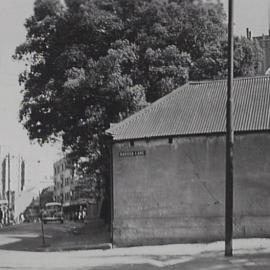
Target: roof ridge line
{"type": "Point", "coordinates": [158, 104]}
{"type": "Point", "coordinates": [224, 80]}
{"type": "Point", "coordinates": [149, 108]}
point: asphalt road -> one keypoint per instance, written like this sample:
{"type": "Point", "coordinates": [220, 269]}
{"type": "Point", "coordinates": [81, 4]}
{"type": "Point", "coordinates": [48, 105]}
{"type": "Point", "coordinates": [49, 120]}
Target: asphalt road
{"type": "Point", "coordinates": [18, 250]}
{"type": "Point", "coordinates": [57, 236]}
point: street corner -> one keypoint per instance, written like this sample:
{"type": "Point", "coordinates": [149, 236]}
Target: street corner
{"type": "Point", "coordinates": [53, 237]}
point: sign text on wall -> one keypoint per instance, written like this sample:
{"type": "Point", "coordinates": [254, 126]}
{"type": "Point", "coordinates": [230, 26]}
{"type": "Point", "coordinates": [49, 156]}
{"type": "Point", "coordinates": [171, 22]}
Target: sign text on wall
{"type": "Point", "coordinates": [132, 153]}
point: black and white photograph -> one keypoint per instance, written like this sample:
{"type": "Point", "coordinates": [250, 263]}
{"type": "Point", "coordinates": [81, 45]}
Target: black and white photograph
{"type": "Point", "coordinates": [135, 134]}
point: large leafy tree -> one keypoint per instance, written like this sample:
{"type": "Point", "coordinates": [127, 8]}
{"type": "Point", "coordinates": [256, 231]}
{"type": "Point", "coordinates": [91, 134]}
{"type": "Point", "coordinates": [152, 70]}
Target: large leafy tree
{"type": "Point", "coordinates": [90, 63]}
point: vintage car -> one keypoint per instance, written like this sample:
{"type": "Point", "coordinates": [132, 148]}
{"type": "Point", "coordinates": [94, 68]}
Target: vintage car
{"type": "Point", "coordinates": [53, 212]}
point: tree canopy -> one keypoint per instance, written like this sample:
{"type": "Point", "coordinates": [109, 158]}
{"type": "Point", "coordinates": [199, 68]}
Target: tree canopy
{"type": "Point", "coordinates": [90, 63]}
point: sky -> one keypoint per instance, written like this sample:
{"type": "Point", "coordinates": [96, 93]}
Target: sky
{"type": "Point", "coordinates": [252, 14]}
{"type": "Point", "coordinates": [39, 160]}
{"type": "Point", "coordinates": [13, 138]}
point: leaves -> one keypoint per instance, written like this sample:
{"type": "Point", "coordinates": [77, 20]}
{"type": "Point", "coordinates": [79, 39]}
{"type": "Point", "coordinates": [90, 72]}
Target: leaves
{"type": "Point", "coordinates": [89, 63]}
{"type": "Point", "coordinates": [167, 69]}
{"type": "Point", "coordinates": [247, 56]}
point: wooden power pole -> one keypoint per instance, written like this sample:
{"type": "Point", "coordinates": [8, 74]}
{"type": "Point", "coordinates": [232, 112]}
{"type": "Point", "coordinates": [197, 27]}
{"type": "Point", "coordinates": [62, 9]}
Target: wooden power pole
{"type": "Point", "coordinates": [229, 141]}
{"type": "Point", "coordinates": [8, 194]}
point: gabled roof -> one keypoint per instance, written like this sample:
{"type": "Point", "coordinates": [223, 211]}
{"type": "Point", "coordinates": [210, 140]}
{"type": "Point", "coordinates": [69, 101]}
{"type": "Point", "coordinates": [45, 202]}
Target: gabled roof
{"type": "Point", "coordinates": [200, 108]}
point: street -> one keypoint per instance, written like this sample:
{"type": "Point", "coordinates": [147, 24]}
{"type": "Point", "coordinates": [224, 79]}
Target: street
{"type": "Point", "coordinates": [58, 237]}
{"type": "Point", "coordinates": [135, 123]}
{"type": "Point", "coordinates": [21, 248]}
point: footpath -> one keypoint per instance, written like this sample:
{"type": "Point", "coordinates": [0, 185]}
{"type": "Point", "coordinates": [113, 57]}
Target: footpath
{"type": "Point", "coordinates": [86, 246]}
{"type": "Point", "coordinates": [249, 254]}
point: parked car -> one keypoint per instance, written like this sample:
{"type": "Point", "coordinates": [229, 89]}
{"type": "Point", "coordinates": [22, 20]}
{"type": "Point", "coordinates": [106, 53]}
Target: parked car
{"type": "Point", "coordinates": [53, 212]}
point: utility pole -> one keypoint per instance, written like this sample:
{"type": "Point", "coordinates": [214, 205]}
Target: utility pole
{"type": "Point", "coordinates": [8, 212]}
{"type": "Point", "coordinates": [229, 141]}
{"type": "Point", "coordinates": [41, 220]}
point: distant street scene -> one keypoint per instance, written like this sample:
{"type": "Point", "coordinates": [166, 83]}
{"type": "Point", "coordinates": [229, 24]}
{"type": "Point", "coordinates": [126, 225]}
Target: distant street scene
{"type": "Point", "coordinates": [134, 134]}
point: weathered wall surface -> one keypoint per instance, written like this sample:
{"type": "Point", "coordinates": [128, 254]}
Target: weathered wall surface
{"type": "Point", "coordinates": [175, 192]}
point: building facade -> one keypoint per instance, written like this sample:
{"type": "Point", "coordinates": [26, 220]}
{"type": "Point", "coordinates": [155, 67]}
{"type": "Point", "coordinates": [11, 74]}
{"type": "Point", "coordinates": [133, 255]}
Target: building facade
{"type": "Point", "coordinates": [168, 167]}
{"type": "Point", "coordinates": [63, 182]}
{"type": "Point", "coordinates": [12, 184]}
{"type": "Point", "coordinates": [264, 42]}
{"type": "Point", "coordinates": [68, 191]}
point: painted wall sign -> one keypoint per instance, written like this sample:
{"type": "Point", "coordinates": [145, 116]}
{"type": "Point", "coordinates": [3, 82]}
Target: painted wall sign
{"type": "Point", "coordinates": [132, 153]}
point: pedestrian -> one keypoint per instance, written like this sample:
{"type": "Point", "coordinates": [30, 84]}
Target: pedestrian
{"type": "Point", "coordinates": [80, 215]}
{"type": "Point", "coordinates": [21, 218]}
{"type": "Point", "coordinates": [84, 214]}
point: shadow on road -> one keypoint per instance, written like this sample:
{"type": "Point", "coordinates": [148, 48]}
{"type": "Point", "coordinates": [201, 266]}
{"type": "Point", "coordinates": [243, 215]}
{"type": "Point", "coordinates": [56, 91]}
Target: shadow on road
{"type": "Point", "coordinates": [67, 236]}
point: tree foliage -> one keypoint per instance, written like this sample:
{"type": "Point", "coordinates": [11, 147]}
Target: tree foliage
{"type": "Point", "coordinates": [46, 196]}
{"type": "Point", "coordinates": [90, 63]}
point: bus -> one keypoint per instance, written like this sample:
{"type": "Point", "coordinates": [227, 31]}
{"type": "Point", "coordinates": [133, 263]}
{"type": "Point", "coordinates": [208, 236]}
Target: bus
{"type": "Point", "coordinates": [53, 212]}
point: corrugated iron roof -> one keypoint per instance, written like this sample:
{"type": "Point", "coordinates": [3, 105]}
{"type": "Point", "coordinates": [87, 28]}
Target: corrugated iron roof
{"type": "Point", "coordinates": [200, 108]}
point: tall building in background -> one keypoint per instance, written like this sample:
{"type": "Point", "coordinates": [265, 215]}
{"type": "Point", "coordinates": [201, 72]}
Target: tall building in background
{"type": "Point", "coordinates": [12, 184]}
{"type": "Point", "coordinates": [264, 41]}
